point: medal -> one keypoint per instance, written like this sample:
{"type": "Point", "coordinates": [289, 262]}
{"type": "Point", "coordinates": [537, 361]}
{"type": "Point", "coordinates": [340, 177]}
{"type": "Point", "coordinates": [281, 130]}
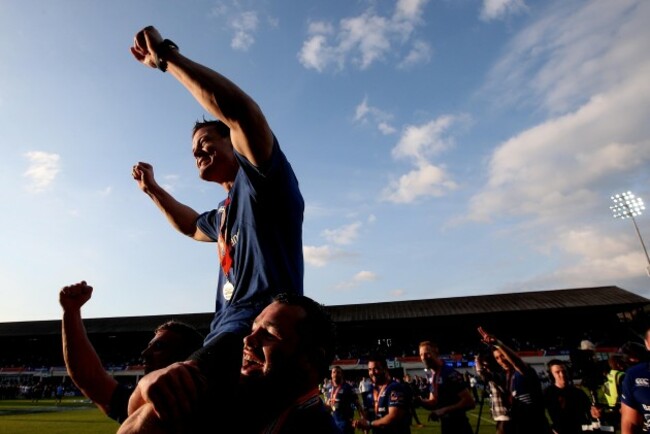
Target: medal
{"type": "Point", "coordinates": [228, 290]}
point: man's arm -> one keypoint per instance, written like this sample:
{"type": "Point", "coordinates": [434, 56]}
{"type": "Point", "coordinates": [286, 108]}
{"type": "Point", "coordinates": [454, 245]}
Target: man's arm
{"type": "Point", "coordinates": [81, 360]}
{"type": "Point", "coordinates": [509, 354]}
{"type": "Point", "coordinates": [250, 133]}
{"type": "Point", "coordinates": [180, 216]}
{"type": "Point", "coordinates": [630, 420]}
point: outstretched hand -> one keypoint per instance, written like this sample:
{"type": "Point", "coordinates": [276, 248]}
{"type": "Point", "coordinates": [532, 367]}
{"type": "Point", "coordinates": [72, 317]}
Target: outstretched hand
{"type": "Point", "coordinates": [72, 297]}
{"type": "Point", "coordinates": [144, 44]}
{"type": "Point", "coordinates": [143, 174]}
{"type": "Point", "coordinates": [486, 337]}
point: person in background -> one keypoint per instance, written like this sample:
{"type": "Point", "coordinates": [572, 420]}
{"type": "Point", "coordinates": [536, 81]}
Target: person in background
{"type": "Point", "coordinates": [414, 393]}
{"type": "Point", "coordinates": [523, 390]}
{"type": "Point", "coordinates": [635, 395]}
{"type": "Point", "coordinates": [609, 413]}
{"type": "Point", "coordinates": [390, 401]}
{"type": "Point", "coordinates": [494, 376]}
{"type": "Point", "coordinates": [568, 406]}
{"type": "Point", "coordinates": [343, 401]}
{"type": "Point", "coordinates": [449, 395]}
{"type": "Point", "coordinates": [173, 341]}
{"type": "Point", "coordinates": [257, 228]}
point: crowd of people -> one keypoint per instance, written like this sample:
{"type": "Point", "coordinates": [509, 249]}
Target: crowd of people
{"type": "Point", "coordinates": [269, 345]}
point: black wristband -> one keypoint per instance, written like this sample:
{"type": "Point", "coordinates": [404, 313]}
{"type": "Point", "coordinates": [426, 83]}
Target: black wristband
{"type": "Point", "coordinates": [162, 51]}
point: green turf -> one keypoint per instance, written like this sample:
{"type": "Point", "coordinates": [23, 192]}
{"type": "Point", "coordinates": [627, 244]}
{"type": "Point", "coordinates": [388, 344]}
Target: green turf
{"type": "Point", "coordinates": [75, 416]}
{"type": "Point", "coordinates": [72, 416]}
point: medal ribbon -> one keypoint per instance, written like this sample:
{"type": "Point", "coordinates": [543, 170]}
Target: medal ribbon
{"type": "Point", "coordinates": [223, 243]}
{"type": "Point", "coordinates": [333, 396]}
{"type": "Point", "coordinates": [376, 394]}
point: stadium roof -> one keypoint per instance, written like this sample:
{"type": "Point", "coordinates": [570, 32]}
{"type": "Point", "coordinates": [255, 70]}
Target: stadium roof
{"type": "Point", "coordinates": [604, 296]}
{"type": "Point", "coordinates": [611, 297]}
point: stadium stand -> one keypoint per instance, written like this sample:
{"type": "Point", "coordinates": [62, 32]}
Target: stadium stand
{"type": "Point", "coordinates": [548, 323]}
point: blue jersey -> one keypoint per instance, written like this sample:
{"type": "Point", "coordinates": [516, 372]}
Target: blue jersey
{"type": "Point", "coordinates": [446, 385]}
{"type": "Point", "coordinates": [343, 401]}
{"type": "Point", "coordinates": [636, 391]}
{"type": "Point", "coordinates": [261, 221]}
{"type": "Point", "coordinates": [390, 395]}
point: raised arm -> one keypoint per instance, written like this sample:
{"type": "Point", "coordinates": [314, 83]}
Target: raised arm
{"type": "Point", "coordinates": [180, 216]}
{"type": "Point", "coordinates": [250, 133]}
{"type": "Point", "coordinates": [81, 360]}
{"type": "Point", "coordinates": [508, 353]}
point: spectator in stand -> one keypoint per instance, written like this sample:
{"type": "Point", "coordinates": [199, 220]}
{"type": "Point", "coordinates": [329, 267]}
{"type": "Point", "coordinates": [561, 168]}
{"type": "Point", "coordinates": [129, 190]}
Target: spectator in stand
{"type": "Point", "coordinates": [286, 354]}
{"type": "Point", "coordinates": [343, 401]}
{"type": "Point", "coordinates": [390, 401]}
{"type": "Point", "coordinates": [635, 396]}
{"type": "Point", "coordinates": [173, 341]}
{"type": "Point", "coordinates": [523, 387]}
{"type": "Point", "coordinates": [568, 406]}
{"type": "Point", "coordinates": [492, 375]}
{"type": "Point", "coordinates": [449, 395]}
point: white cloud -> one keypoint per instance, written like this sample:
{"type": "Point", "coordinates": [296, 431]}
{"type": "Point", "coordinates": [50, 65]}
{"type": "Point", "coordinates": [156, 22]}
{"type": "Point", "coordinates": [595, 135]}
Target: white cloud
{"type": "Point", "coordinates": [244, 21]}
{"type": "Point", "coordinates": [364, 113]}
{"type": "Point", "coordinates": [42, 170]}
{"type": "Point", "coordinates": [343, 235]}
{"type": "Point", "coordinates": [357, 280]}
{"type": "Point", "coordinates": [494, 9]}
{"type": "Point", "coordinates": [421, 52]}
{"type": "Point", "coordinates": [424, 141]}
{"type": "Point", "coordinates": [318, 256]}
{"type": "Point", "coordinates": [366, 39]}
{"type": "Point", "coordinates": [386, 129]}
{"type": "Point", "coordinates": [425, 180]}
{"type": "Point", "coordinates": [606, 139]}
{"type": "Point", "coordinates": [586, 63]}
{"type": "Point", "coordinates": [245, 25]}
{"type": "Point", "coordinates": [419, 144]}
{"type": "Point", "coordinates": [561, 60]}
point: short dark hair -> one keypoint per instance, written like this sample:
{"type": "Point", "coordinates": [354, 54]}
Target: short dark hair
{"type": "Point", "coordinates": [221, 128]}
{"type": "Point", "coordinates": [191, 338]}
{"type": "Point", "coordinates": [379, 359]}
{"type": "Point", "coordinates": [317, 331]}
{"type": "Point", "coordinates": [554, 362]}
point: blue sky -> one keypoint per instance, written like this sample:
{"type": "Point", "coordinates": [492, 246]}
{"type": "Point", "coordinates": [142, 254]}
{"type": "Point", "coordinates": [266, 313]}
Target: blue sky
{"type": "Point", "coordinates": [443, 148]}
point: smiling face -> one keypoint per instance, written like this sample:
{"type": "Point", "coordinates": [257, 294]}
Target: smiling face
{"type": "Point", "coordinates": [214, 155]}
{"type": "Point", "coordinates": [378, 372]}
{"type": "Point", "coordinates": [272, 349]}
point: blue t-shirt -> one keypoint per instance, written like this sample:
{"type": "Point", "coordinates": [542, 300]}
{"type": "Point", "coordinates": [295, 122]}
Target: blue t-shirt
{"type": "Point", "coordinates": [263, 225]}
{"type": "Point", "coordinates": [393, 395]}
{"type": "Point", "coordinates": [636, 391]}
{"type": "Point", "coordinates": [449, 384]}
{"type": "Point", "coordinates": [343, 401]}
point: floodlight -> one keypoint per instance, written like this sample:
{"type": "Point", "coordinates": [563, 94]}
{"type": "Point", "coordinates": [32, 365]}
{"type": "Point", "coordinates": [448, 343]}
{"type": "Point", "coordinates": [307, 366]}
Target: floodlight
{"type": "Point", "coordinates": [627, 205]}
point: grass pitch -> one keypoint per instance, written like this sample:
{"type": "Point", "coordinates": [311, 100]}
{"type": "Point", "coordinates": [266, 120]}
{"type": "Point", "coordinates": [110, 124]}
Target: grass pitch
{"type": "Point", "coordinates": [78, 416]}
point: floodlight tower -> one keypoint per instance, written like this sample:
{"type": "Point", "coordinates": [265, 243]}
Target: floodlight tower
{"type": "Point", "coordinates": [626, 205]}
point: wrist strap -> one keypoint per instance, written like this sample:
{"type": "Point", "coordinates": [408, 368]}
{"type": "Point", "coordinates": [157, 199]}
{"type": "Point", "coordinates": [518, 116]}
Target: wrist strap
{"type": "Point", "coordinates": [162, 51]}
